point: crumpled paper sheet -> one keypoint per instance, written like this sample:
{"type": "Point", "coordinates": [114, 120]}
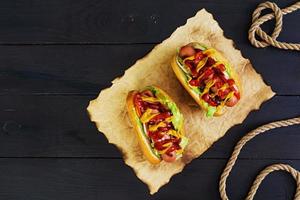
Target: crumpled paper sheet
{"type": "Point", "coordinates": [109, 113]}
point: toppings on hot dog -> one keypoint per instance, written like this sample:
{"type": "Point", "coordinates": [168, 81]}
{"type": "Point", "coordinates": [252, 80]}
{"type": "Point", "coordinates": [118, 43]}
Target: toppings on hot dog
{"type": "Point", "coordinates": [208, 77]}
{"type": "Point", "coordinates": [158, 123]}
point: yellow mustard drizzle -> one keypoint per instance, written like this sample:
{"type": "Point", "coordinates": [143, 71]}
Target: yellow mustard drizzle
{"type": "Point", "coordinates": [155, 127]}
{"type": "Point", "coordinates": [207, 87]}
{"type": "Point", "coordinates": [150, 99]}
{"type": "Point", "coordinates": [219, 108]}
{"type": "Point", "coordinates": [184, 65]}
{"type": "Point", "coordinates": [147, 116]}
{"type": "Point", "coordinates": [217, 63]}
{"type": "Point", "coordinates": [160, 124]}
{"type": "Point", "coordinates": [212, 53]}
{"type": "Point", "coordinates": [201, 63]}
{"type": "Point", "coordinates": [167, 145]}
{"type": "Point", "coordinates": [179, 151]}
{"type": "Point", "coordinates": [214, 65]}
{"type": "Point", "coordinates": [220, 89]}
{"type": "Point", "coordinates": [209, 52]}
{"type": "Point", "coordinates": [174, 133]}
{"type": "Point", "coordinates": [189, 58]}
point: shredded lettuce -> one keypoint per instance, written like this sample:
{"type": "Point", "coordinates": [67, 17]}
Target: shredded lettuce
{"type": "Point", "coordinates": [142, 128]}
{"type": "Point", "coordinates": [211, 111]}
{"type": "Point", "coordinates": [188, 78]}
{"type": "Point", "coordinates": [177, 118]}
{"type": "Point", "coordinates": [182, 66]}
{"type": "Point", "coordinates": [228, 69]}
{"type": "Point", "coordinates": [184, 141]}
{"type": "Point", "coordinates": [196, 90]}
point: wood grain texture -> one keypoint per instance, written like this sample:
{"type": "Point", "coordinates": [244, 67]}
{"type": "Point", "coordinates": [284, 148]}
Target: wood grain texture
{"type": "Point", "coordinates": [86, 69]}
{"type": "Point", "coordinates": [91, 179]}
{"type": "Point", "coordinates": [55, 56]}
{"type": "Point", "coordinates": [58, 126]}
{"type": "Point", "coordinates": [117, 21]}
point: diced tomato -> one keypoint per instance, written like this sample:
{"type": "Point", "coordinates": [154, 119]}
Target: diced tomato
{"type": "Point", "coordinates": [212, 102]}
{"type": "Point", "coordinates": [194, 82]}
{"type": "Point", "coordinates": [230, 82]}
{"type": "Point", "coordinates": [205, 97]}
{"type": "Point", "coordinates": [237, 94]}
{"type": "Point", "coordinates": [221, 67]}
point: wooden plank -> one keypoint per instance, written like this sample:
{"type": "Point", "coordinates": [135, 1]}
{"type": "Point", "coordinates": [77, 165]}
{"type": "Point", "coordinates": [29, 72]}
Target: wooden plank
{"type": "Point", "coordinates": [89, 179]}
{"type": "Point", "coordinates": [89, 68]}
{"type": "Point", "coordinates": [58, 126]}
{"type": "Point", "coordinates": [64, 69]}
{"type": "Point", "coordinates": [75, 21]}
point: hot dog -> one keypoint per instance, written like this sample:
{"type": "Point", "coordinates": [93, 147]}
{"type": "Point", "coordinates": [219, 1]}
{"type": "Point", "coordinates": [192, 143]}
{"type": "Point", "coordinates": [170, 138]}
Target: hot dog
{"type": "Point", "coordinates": [208, 77]}
{"type": "Point", "coordinates": [158, 124]}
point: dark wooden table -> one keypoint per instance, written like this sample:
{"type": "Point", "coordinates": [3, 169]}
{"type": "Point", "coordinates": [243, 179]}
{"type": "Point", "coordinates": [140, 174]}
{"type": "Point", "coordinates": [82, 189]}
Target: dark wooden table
{"type": "Point", "coordinates": [57, 55]}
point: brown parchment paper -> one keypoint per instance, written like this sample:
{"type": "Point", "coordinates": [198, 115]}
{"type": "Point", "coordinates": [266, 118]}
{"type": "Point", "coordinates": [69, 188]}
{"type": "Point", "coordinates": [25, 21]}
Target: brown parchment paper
{"type": "Point", "coordinates": [108, 111]}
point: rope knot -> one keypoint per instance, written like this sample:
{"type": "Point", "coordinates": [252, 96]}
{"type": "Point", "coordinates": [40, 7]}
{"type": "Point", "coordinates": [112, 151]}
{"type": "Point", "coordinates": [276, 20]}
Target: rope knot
{"type": "Point", "coordinates": [262, 175]}
{"type": "Point", "coordinates": [265, 39]}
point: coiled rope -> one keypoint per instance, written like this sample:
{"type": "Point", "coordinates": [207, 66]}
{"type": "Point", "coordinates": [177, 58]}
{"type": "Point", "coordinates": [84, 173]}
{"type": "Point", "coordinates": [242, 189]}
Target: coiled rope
{"type": "Point", "coordinates": [267, 170]}
{"type": "Point", "coordinates": [267, 40]}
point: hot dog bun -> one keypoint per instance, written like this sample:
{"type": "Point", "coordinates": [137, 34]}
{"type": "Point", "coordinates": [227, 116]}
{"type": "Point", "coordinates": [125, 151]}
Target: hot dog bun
{"type": "Point", "coordinates": [181, 76]}
{"type": "Point", "coordinates": [142, 138]}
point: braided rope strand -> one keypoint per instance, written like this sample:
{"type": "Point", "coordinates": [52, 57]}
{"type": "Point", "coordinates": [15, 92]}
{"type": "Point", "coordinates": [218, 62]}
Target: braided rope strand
{"type": "Point", "coordinates": [267, 40]}
{"type": "Point", "coordinates": [275, 167]}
